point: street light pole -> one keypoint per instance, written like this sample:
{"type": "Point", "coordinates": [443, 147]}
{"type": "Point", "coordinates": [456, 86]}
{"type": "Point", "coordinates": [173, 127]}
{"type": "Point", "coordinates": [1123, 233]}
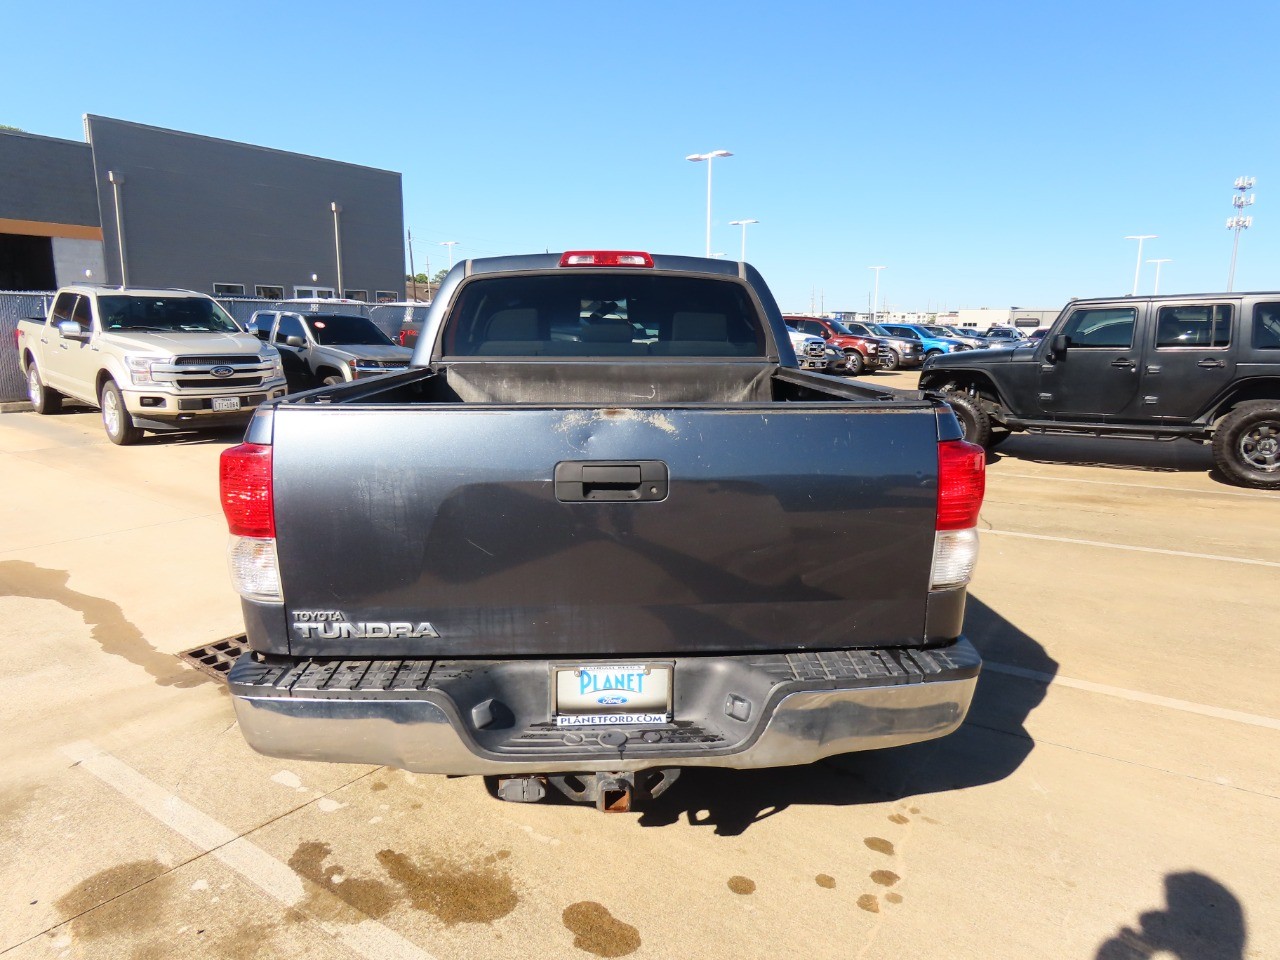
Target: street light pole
{"type": "Point", "coordinates": [743, 225]}
{"type": "Point", "coordinates": [875, 300]}
{"type": "Point", "coordinates": [450, 244]}
{"type": "Point", "coordinates": [1137, 271]}
{"type": "Point", "coordinates": [412, 274]}
{"type": "Point", "coordinates": [708, 157]}
{"type": "Point", "coordinates": [1158, 263]}
{"type": "Point", "coordinates": [1239, 221]}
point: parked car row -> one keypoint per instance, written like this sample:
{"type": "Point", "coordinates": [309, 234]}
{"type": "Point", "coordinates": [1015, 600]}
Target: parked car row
{"type": "Point", "coordinates": [166, 360]}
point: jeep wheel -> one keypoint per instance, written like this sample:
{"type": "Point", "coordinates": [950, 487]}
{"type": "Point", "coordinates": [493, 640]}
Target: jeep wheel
{"type": "Point", "coordinates": [973, 419]}
{"type": "Point", "coordinates": [1246, 445]}
{"type": "Point", "coordinates": [43, 399]}
{"type": "Point", "coordinates": [889, 360]}
{"type": "Point", "coordinates": [115, 417]}
{"type": "Point", "coordinates": [854, 364]}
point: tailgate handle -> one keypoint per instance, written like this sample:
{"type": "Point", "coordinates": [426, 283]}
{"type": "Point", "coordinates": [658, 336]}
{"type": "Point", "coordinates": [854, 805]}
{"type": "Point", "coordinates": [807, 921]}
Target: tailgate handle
{"type": "Point", "coordinates": [589, 481]}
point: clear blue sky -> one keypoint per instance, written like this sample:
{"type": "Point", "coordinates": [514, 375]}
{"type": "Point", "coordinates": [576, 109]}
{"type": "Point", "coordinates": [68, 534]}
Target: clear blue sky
{"type": "Point", "coordinates": [989, 153]}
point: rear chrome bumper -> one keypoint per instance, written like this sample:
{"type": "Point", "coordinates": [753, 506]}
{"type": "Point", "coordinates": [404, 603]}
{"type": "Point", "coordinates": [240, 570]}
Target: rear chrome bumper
{"type": "Point", "coordinates": [422, 715]}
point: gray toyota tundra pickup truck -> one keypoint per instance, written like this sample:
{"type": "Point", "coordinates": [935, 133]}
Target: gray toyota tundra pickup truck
{"type": "Point", "coordinates": [602, 529]}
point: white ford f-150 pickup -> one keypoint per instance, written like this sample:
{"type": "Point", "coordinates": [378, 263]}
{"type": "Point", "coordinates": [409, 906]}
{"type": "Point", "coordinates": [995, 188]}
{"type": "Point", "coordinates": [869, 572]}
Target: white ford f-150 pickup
{"type": "Point", "coordinates": [149, 359]}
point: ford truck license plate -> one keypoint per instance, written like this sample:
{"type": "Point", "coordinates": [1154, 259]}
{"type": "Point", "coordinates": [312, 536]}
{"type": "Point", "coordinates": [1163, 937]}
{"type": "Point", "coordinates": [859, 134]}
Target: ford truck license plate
{"type": "Point", "coordinates": [226, 403]}
{"type": "Point", "coordinates": [612, 694]}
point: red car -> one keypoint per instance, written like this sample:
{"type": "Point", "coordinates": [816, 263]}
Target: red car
{"type": "Point", "coordinates": [862, 353]}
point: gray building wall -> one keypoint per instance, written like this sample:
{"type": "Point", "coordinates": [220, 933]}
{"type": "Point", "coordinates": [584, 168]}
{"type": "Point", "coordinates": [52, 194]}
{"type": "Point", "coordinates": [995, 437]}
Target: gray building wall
{"type": "Point", "coordinates": [198, 211]}
{"type": "Point", "coordinates": [46, 180]}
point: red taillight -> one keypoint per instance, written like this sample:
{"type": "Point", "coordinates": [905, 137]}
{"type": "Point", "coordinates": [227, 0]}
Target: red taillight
{"type": "Point", "coordinates": [245, 482]}
{"type": "Point", "coordinates": [606, 258]}
{"type": "Point", "coordinates": [402, 343]}
{"type": "Point", "coordinates": [962, 479]}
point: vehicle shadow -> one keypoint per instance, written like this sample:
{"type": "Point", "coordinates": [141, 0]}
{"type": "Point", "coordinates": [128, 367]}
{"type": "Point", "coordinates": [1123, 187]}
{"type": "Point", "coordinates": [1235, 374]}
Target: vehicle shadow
{"type": "Point", "coordinates": [991, 745]}
{"type": "Point", "coordinates": [1202, 920]}
{"type": "Point", "coordinates": [1173, 456]}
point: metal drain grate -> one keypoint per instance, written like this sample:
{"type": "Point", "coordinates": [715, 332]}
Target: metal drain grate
{"type": "Point", "coordinates": [216, 659]}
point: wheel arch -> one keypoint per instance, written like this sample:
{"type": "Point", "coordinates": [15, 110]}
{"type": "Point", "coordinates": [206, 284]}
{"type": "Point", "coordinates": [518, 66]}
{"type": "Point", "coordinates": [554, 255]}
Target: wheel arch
{"type": "Point", "coordinates": [1242, 391]}
{"type": "Point", "coordinates": [975, 381]}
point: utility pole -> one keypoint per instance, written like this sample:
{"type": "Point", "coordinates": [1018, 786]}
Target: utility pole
{"type": "Point", "coordinates": [412, 273]}
{"type": "Point", "coordinates": [875, 300]}
{"type": "Point", "coordinates": [1137, 271]}
{"type": "Point", "coordinates": [1239, 222]}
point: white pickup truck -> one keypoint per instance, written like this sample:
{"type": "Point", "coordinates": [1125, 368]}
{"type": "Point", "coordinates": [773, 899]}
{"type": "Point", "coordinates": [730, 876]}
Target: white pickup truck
{"type": "Point", "coordinates": [155, 360]}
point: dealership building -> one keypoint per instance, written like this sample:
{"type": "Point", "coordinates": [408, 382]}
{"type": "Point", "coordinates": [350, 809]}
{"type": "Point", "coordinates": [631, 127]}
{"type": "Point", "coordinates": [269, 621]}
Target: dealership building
{"type": "Point", "coordinates": [144, 206]}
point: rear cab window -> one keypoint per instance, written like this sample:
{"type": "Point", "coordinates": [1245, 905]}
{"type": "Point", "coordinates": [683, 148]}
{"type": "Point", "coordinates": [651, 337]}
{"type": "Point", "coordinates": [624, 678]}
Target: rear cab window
{"type": "Point", "coordinates": [580, 314]}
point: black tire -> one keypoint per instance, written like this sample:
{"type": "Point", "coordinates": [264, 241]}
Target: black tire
{"type": "Point", "coordinates": [115, 416]}
{"type": "Point", "coordinates": [333, 380]}
{"type": "Point", "coordinates": [1246, 445]}
{"type": "Point", "coordinates": [854, 363]}
{"type": "Point", "coordinates": [44, 399]}
{"type": "Point", "coordinates": [889, 360]}
{"type": "Point", "coordinates": [973, 419]}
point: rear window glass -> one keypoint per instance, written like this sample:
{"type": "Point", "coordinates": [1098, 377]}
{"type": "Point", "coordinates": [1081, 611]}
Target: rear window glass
{"type": "Point", "coordinates": [1202, 325]}
{"type": "Point", "coordinates": [1266, 326]}
{"type": "Point", "coordinates": [604, 315]}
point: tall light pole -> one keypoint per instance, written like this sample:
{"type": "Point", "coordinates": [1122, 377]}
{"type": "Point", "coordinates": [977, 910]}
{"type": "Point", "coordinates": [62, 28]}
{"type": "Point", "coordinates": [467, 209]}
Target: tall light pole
{"type": "Point", "coordinates": [875, 300]}
{"type": "Point", "coordinates": [450, 244]}
{"type": "Point", "coordinates": [1157, 263]}
{"type": "Point", "coordinates": [1239, 221]}
{"type": "Point", "coordinates": [1137, 271]}
{"type": "Point", "coordinates": [709, 157]}
{"type": "Point", "coordinates": [743, 225]}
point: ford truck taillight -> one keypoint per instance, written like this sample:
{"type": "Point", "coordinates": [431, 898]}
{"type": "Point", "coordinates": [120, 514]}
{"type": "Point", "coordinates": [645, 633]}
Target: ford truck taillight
{"type": "Point", "coordinates": [962, 476]}
{"type": "Point", "coordinates": [244, 475]}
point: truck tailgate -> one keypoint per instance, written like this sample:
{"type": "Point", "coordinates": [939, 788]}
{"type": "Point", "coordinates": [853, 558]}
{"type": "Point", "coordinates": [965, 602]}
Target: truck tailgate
{"type": "Point", "coordinates": [784, 527]}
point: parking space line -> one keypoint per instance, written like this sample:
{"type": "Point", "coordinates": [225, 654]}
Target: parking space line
{"type": "Point", "coordinates": [1139, 486]}
{"type": "Point", "coordinates": [368, 937]}
{"type": "Point", "coordinates": [1136, 696]}
{"type": "Point", "coordinates": [1127, 546]}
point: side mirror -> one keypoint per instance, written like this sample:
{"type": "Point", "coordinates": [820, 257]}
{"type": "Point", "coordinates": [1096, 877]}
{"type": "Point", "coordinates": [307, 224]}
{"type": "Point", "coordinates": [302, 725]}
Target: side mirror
{"type": "Point", "coordinates": [1059, 344]}
{"type": "Point", "coordinates": [295, 341]}
{"type": "Point", "coordinates": [72, 330]}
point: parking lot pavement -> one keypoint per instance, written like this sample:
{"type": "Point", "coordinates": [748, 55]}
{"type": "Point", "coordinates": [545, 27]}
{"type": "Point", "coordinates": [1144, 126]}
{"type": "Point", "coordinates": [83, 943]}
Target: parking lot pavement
{"type": "Point", "coordinates": [1113, 794]}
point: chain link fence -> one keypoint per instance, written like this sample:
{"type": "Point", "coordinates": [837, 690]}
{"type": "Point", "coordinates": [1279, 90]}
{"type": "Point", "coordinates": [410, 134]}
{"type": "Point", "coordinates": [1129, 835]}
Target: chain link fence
{"type": "Point", "coordinates": [15, 306]}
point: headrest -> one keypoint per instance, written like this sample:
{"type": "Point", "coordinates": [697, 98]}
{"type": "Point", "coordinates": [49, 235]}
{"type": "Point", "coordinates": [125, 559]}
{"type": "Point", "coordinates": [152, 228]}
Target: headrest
{"type": "Point", "coordinates": [518, 323]}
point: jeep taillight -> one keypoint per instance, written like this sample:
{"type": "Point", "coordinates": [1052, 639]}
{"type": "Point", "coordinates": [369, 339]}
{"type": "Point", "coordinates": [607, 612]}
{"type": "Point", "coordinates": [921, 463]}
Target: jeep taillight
{"type": "Point", "coordinates": [962, 471]}
{"type": "Point", "coordinates": [245, 484]}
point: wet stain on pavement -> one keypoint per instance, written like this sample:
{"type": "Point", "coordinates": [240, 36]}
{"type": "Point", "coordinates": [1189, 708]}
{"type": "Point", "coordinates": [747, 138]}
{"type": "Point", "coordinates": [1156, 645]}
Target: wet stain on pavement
{"type": "Point", "coordinates": [893, 897]}
{"type": "Point", "coordinates": [376, 786]}
{"type": "Point", "coordinates": [143, 913]}
{"type": "Point", "coordinates": [825, 881]}
{"type": "Point", "coordinates": [899, 818]}
{"type": "Point", "coordinates": [869, 902]}
{"type": "Point", "coordinates": [879, 845]}
{"type": "Point", "coordinates": [109, 627]}
{"type": "Point", "coordinates": [915, 809]}
{"type": "Point", "coordinates": [886, 878]}
{"type": "Point", "coordinates": [452, 892]}
{"type": "Point", "coordinates": [370, 896]}
{"type": "Point", "coordinates": [597, 931]}
{"type": "Point", "coordinates": [742, 885]}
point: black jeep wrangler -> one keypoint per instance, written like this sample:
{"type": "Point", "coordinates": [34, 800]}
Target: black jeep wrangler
{"type": "Point", "coordinates": [1204, 367]}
